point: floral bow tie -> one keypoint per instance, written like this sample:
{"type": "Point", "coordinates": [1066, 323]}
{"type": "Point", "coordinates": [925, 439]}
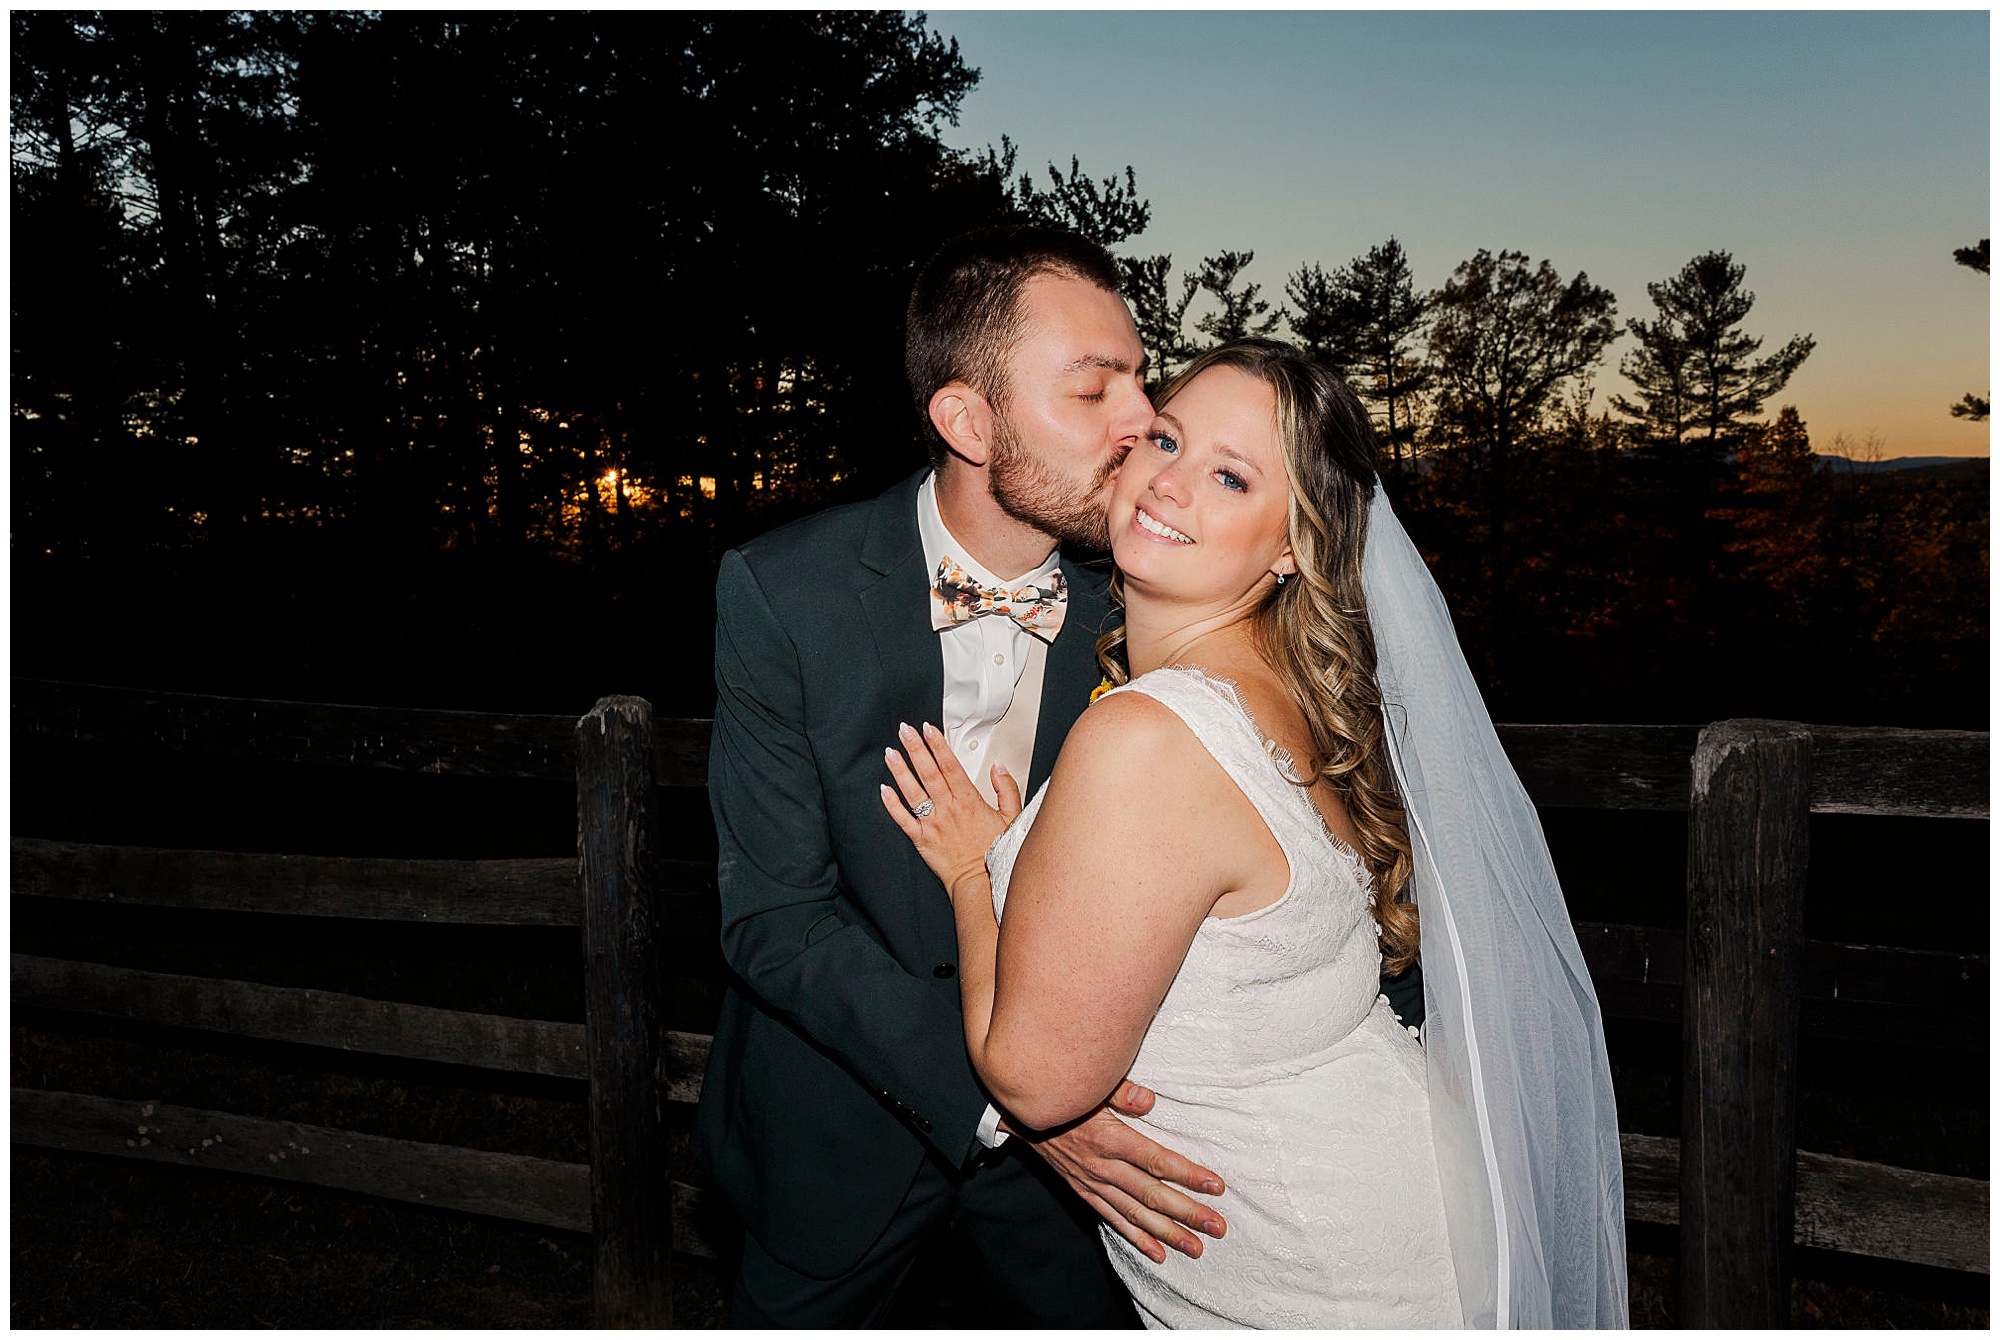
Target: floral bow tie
{"type": "Point", "coordinates": [957, 599]}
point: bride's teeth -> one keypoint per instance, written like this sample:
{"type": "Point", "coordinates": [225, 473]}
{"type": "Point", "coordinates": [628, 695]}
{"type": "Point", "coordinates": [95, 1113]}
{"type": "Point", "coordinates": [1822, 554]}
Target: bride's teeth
{"type": "Point", "coordinates": [1162, 529]}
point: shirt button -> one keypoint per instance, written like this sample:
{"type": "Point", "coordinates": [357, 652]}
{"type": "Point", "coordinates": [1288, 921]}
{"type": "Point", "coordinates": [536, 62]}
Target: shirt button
{"type": "Point", "coordinates": [972, 744]}
{"type": "Point", "coordinates": [999, 658]}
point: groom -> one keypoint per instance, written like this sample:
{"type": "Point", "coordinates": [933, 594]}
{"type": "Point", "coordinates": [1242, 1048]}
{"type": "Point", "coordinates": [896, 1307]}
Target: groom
{"type": "Point", "coordinates": [840, 1113]}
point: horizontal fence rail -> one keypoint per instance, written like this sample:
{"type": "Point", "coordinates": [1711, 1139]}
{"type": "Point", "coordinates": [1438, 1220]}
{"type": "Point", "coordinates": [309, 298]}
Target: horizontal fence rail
{"type": "Point", "coordinates": [508, 1186]}
{"type": "Point", "coordinates": [534, 892]}
{"type": "Point", "coordinates": [1920, 774]}
{"type": "Point", "coordinates": [1864, 993]}
{"type": "Point", "coordinates": [297, 1014]}
{"type": "Point", "coordinates": [463, 744]}
{"type": "Point", "coordinates": [554, 1193]}
{"type": "Point", "coordinates": [1844, 1205]}
{"type": "Point", "coordinates": [334, 1020]}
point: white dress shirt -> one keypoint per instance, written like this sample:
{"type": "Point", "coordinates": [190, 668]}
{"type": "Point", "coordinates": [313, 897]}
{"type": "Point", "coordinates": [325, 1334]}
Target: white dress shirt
{"type": "Point", "coordinates": [992, 683]}
{"type": "Point", "coordinates": [985, 661]}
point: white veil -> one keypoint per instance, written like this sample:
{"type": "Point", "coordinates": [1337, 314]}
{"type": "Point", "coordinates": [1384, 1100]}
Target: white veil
{"type": "Point", "coordinates": [1522, 1116]}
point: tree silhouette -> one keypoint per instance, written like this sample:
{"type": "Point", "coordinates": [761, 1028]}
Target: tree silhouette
{"type": "Point", "coordinates": [1160, 316]}
{"type": "Point", "coordinates": [1694, 368]}
{"type": "Point", "coordinates": [1970, 406]}
{"type": "Point", "coordinates": [1107, 212]}
{"type": "Point", "coordinates": [1239, 311]}
{"type": "Point", "coordinates": [1317, 322]}
{"type": "Point", "coordinates": [1504, 339]}
{"type": "Point", "coordinates": [1366, 320]}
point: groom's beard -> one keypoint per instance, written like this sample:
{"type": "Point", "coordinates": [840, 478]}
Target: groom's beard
{"type": "Point", "coordinates": [1029, 491]}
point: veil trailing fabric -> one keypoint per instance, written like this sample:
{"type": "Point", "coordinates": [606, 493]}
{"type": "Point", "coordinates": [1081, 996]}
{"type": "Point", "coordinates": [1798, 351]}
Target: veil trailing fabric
{"type": "Point", "coordinates": [1522, 1116]}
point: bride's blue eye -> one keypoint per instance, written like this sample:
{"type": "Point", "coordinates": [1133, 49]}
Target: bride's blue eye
{"type": "Point", "coordinates": [1231, 480]}
{"type": "Point", "coordinates": [1164, 441]}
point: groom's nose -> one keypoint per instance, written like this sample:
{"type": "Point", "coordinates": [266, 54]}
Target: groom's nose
{"type": "Point", "coordinates": [1135, 413]}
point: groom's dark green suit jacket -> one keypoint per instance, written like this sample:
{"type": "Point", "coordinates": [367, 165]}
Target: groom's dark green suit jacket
{"type": "Point", "coordinates": [840, 1058]}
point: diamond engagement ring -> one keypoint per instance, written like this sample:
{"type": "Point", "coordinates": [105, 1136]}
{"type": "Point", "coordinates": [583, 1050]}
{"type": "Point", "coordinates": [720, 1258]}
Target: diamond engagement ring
{"type": "Point", "coordinates": [923, 811]}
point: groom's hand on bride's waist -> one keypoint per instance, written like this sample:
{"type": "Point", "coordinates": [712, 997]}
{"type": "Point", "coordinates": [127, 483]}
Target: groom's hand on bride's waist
{"type": "Point", "coordinates": [1127, 1178]}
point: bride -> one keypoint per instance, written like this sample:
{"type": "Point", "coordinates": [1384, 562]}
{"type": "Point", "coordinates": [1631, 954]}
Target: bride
{"type": "Point", "coordinates": [1293, 774]}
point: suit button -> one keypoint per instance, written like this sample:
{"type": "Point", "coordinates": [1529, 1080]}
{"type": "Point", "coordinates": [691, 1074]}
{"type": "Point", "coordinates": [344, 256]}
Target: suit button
{"type": "Point", "coordinates": [944, 971]}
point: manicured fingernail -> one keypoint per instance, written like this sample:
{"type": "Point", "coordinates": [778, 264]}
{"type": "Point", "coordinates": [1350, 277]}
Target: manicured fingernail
{"type": "Point", "coordinates": [1000, 770]}
{"type": "Point", "coordinates": [930, 729]}
{"type": "Point", "coordinates": [887, 793]}
{"type": "Point", "coordinates": [904, 729]}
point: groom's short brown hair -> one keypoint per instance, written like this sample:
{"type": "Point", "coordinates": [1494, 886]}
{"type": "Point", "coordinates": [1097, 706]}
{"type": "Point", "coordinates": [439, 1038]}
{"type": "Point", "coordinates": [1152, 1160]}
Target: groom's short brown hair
{"type": "Point", "coordinates": [965, 308]}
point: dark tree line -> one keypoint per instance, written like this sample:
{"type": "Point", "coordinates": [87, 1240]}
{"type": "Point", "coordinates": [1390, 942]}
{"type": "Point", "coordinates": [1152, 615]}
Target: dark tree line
{"type": "Point", "coordinates": [337, 334]}
{"type": "Point", "coordinates": [479, 280]}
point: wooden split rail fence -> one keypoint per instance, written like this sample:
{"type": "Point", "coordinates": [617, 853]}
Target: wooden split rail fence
{"type": "Point", "coordinates": [1742, 980]}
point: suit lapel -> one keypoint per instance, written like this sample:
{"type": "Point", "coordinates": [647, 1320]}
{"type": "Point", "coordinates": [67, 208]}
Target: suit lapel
{"type": "Point", "coordinates": [894, 597]}
{"type": "Point", "coordinates": [895, 602]}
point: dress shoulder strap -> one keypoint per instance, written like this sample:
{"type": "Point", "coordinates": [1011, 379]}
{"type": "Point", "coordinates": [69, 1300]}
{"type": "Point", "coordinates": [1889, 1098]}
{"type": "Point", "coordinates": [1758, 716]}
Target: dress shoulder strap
{"type": "Point", "coordinates": [1211, 709]}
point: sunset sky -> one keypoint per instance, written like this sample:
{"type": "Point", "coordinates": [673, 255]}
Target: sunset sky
{"type": "Point", "coordinates": [1839, 155]}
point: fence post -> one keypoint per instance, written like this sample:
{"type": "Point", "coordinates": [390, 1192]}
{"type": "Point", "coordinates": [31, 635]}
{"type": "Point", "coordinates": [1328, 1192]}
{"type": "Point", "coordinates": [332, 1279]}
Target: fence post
{"type": "Point", "coordinates": [1748, 807]}
{"type": "Point", "coordinates": [631, 1198]}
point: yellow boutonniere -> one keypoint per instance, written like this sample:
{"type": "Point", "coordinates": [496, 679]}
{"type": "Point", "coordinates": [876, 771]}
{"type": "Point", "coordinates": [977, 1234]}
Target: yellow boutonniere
{"type": "Point", "coordinates": [1104, 686]}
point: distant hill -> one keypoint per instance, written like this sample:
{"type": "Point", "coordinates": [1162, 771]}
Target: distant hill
{"type": "Point", "coordinates": [1962, 467]}
{"type": "Point", "coordinates": [1846, 465]}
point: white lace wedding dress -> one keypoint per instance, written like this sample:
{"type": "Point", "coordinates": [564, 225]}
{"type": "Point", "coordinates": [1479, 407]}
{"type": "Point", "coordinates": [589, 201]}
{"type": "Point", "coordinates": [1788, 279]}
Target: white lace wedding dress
{"type": "Point", "coordinates": [1279, 1065]}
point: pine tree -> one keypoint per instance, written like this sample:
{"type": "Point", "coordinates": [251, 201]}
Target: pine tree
{"type": "Point", "coordinates": [1320, 322]}
{"type": "Point", "coordinates": [1365, 321]}
{"type": "Point", "coordinates": [1980, 258]}
{"type": "Point", "coordinates": [1107, 212]}
{"type": "Point", "coordinates": [1504, 339]}
{"type": "Point", "coordinates": [1695, 369]}
{"type": "Point", "coordinates": [1161, 318]}
{"type": "Point", "coordinates": [1240, 311]}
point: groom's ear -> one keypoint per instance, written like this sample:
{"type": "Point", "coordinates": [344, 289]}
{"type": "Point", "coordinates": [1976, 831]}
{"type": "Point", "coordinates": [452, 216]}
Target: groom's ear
{"type": "Point", "coordinates": [964, 420]}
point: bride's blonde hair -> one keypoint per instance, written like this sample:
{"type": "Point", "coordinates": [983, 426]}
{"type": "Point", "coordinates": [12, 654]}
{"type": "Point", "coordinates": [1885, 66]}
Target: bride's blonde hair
{"type": "Point", "coordinates": [1314, 628]}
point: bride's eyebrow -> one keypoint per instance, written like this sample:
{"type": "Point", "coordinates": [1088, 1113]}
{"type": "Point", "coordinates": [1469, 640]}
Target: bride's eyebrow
{"type": "Point", "coordinates": [1179, 427]}
{"type": "Point", "coordinates": [1223, 448]}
